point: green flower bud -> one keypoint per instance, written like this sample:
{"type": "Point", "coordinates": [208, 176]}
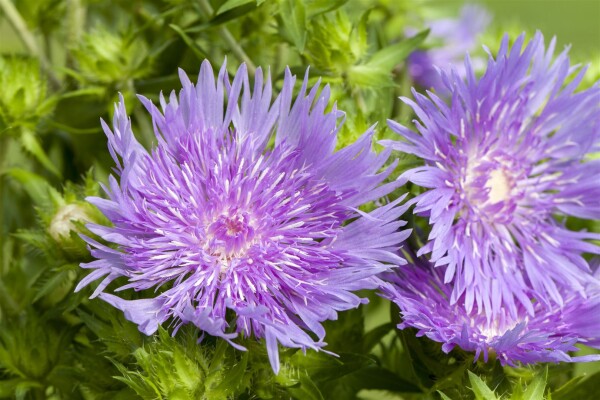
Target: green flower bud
{"type": "Point", "coordinates": [109, 59]}
{"type": "Point", "coordinates": [23, 100]}
{"type": "Point", "coordinates": [65, 225]}
{"type": "Point", "coordinates": [63, 221]}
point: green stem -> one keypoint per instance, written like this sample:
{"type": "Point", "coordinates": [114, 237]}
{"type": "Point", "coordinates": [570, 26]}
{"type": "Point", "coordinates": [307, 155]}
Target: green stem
{"type": "Point", "coordinates": [229, 39]}
{"type": "Point", "coordinates": [18, 24]}
{"type": "Point", "coordinates": [76, 22]}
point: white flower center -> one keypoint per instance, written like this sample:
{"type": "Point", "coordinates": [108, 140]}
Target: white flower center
{"type": "Point", "coordinates": [487, 181]}
{"type": "Point", "coordinates": [499, 185]}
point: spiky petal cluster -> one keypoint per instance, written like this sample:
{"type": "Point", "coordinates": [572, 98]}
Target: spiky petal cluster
{"type": "Point", "coordinates": [505, 162]}
{"type": "Point", "coordinates": [242, 206]}
{"type": "Point", "coordinates": [454, 38]}
{"type": "Point", "coordinates": [423, 297]}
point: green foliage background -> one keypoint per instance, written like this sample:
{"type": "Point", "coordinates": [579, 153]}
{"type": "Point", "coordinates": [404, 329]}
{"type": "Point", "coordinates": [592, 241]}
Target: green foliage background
{"type": "Point", "coordinates": [62, 64]}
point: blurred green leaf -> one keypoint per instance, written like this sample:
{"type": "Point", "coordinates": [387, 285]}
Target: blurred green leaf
{"type": "Point", "coordinates": [317, 7]}
{"type": "Point", "coordinates": [39, 190]}
{"type": "Point", "coordinates": [306, 389]}
{"type": "Point", "coordinates": [375, 335]}
{"type": "Point", "coordinates": [32, 145]}
{"type": "Point", "coordinates": [388, 57]}
{"type": "Point", "coordinates": [196, 49]}
{"type": "Point", "coordinates": [578, 388]}
{"type": "Point", "coordinates": [379, 378]}
{"type": "Point", "coordinates": [323, 367]}
{"type": "Point", "coordinates": [293, 14]}
{"type": "Point", "coordinates": [231, 4]}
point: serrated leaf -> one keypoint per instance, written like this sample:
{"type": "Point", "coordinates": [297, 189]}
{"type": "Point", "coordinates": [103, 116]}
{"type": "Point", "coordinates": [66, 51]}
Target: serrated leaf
{"type": "Point", "coordinates": [306, 389]}
{"type": "Point", "coordinates": [480, 389]}
{"type": "Point", "coordinates": [388, 57]}
{"type": "Point", "coordinates": [535, 390]}
{"type": "Point", "coordinates": [51, 284]}
{"type": "Point", "coordinates": [234, 376]}
{"type": "Point", "coordinates": [31, 144]}
{"type": "Point", "coordinates": [293, 14]}
{"type": "Point", "coordinates": [443, 396]}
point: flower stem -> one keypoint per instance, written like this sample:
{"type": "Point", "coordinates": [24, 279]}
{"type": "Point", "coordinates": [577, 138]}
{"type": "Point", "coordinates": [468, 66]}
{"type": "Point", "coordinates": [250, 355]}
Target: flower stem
{"type": "Point", "coordinates": [18, 24]}
{"type": "Point", "coordinates": [229, 39]}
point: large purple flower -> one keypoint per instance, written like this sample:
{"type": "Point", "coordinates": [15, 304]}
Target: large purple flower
{"type": "Point", "coordinates": [506, 161]}
{"type": "Point", "coordinates": [423, 297]}
{"type": "Point", "coordinates": [244, 206]}
{"type": "Point", "coordinates": [451, 38]}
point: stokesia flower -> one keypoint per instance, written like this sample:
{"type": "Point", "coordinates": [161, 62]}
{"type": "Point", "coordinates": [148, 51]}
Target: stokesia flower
{"type": "Point", "coordinates": [245, 206]}
{"type": "Point", "coordinates": [452, 39]}
{"type": "Point", "coordinates": [506, 162]}
{"type": "Point", "coordinates": [423, 297]}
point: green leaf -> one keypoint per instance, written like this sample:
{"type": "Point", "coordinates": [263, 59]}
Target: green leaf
{"type": "Point", "coordinates": [231, 4]}
{"type": "Point", "coordinates": [197, 50]}
{"type": "Point", "coordinates": [39, 190]}
{"type": "Point", "coordinates": [51, 284]}
{"type": "Point", "coordinates": [306, 389]}
{"type": "Point", "coordinates": [443, 396]}
{"type": "Point", "coordinates": [388, 57]}
{"type": "Point", "coordinates": [368, 76]}
{"type": "Point", "coordinates": [224, 17]}
{"type": "Point", "coordinates": [234, 376]}
{"type": "Point", "coordinates": [578, 388]}
{"type": "Point", "coordinates": [317, 7]}
{"type": "Point", "coordinates": [480, 389]}
{"type": "Point", "coordinates": [323, 367]}
{"type": "Point", "coordinates": [535, 390]}
{"type": "Point", "coordinates": [379, 378]}
{"type": "Point", "coordinates": [375, 335]}
{"type": "Point", "coordinates": [293, 14]}
{"type": "Point", "coordinates": [32, 145]}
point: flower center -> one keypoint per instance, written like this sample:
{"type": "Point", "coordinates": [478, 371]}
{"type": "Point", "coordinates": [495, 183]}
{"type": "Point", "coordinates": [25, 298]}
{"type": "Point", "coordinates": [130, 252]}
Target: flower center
{"type": "Point", "coordinates": [499, 186]}
{"type": "Point", "coordinates": [489, 182]}
{"type": "Point", "coordinates": [230, 235]}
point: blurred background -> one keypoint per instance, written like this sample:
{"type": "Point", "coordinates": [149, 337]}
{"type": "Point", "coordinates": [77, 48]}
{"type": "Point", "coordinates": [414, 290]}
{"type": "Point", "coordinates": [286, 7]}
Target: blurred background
{"type": "Point", "coordinates": [575, 22]}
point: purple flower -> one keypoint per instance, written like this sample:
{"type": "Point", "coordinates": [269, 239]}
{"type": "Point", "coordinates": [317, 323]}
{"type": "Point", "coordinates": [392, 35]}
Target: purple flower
{"type": "Point", "coordinates": [506, 161]}
{"type": "Point", "coordinates": [454, 38]}
{"type": "Point", "coordinates": [424, 300]}
{"type": "Point", "coordinates": [244, 206]}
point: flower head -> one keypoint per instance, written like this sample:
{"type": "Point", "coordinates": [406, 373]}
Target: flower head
{"type": "Point", "coordinates": [505, 162]}
{"type": "Point", "coordinates": [455, 37]}
{"type": "Point", "coordinates": [424, 301]}
{"type": "Point", "coordinates": [244, 206]}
